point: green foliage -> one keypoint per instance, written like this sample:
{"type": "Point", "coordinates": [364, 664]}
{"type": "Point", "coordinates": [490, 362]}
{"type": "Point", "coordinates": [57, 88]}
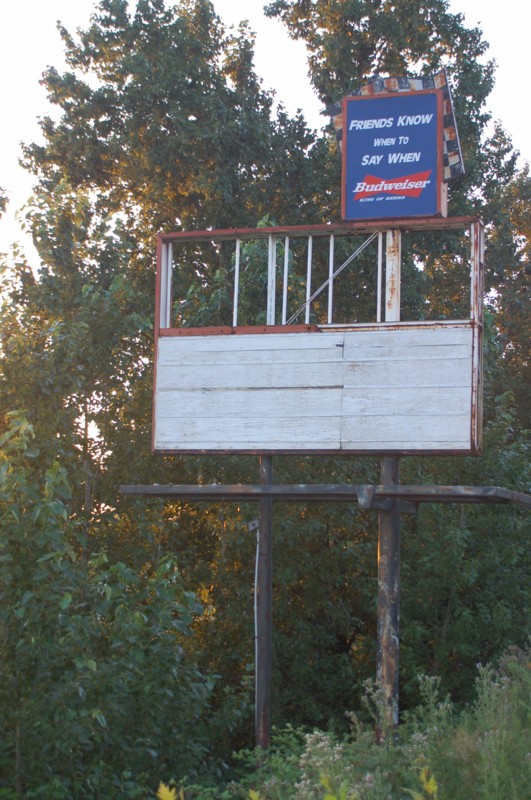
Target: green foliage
{"type": "Point", "coordinates": [486, 753]}
{"type": "Point", "coordinates": [160, 123]}
{"type": "Point", "coordinates": [465, 588]}
{"type": "Point", "coordinates": [480, 752]}
{"type": "Point", "coordinates": [94, 673]}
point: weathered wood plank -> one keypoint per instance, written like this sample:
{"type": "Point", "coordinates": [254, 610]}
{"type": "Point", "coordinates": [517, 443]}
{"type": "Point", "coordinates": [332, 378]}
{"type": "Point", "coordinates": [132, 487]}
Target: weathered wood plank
{"type": "Point", "coordinates": [272, 403]}
{"type": "Point", "coordinates": [242, 376]}
{"type": "Point", "coordinates": [420, 401]}
{"type": "Point", "coordinates": [190, 357]}
{"type": "Point", "coordinates": [169, 347]}
{"type": "Point", "coordinates": [250, 432]}
{"type": "Point", "coordinates": [389, 375]}
{"type": "Point", "coordinates": [381, 431]}
{"type": "Point", "coordinates": [409, 335]}
{"type": "Point", "coordinates": [401, 352]}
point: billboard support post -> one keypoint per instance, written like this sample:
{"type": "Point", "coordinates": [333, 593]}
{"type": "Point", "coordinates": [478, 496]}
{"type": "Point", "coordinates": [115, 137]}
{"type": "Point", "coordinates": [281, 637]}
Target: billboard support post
{"type": "Point", "coordinates": [388, 602]}
{"type": "Point", "coordinates": [264, 609]}
{"type": "Point", "coordinates": [389, 533]}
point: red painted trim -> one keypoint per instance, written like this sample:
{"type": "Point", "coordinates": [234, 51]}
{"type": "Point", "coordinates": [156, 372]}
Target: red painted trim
{"type": "Point", "coordinates": [465, 452]}
{"type": "Point", "coordinates": [225, 330]}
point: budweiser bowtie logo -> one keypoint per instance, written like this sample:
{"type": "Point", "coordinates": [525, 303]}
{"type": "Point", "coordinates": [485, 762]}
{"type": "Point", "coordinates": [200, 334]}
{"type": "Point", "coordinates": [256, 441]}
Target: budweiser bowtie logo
{"type": "Point", "coordinates": [408, 185]}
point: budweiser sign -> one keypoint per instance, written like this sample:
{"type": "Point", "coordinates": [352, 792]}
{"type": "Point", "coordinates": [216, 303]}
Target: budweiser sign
{"type": "Point", "coordinates": [408, 186]}
{"type": "Point", "coordinates": [382, 137]}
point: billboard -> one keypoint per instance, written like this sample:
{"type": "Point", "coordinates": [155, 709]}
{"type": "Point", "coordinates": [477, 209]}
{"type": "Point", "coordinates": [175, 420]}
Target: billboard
{"type": "Point", "coordinates": [407, 387]}
{"type": "Point", "coordinates": [327, 386]}
{"type": "Point", "coordinates": [392, 155]}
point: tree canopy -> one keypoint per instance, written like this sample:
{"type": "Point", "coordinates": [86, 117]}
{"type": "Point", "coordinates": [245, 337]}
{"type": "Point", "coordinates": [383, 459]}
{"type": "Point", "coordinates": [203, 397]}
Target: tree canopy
{"type": "Point", "coordinates": [127, 627]}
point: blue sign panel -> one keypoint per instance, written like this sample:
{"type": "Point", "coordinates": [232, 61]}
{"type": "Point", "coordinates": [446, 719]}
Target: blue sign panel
{"type": "Point", "coordinates": [391, 156]}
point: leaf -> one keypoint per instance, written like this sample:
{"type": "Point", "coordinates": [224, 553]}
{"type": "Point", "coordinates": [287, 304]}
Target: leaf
{"type": "Point", "coordinates": [26, 597]}
{"type": "Point", "coordinates": [65, 601]}
{"type": "Point", "coordinates": [165, 793]}
{"type": "Point", "coordinates": [97, 715]}
{"type": "Point", "coordinates": [47, 557]}
{"type": "Point", "coordinates": [32, 452]}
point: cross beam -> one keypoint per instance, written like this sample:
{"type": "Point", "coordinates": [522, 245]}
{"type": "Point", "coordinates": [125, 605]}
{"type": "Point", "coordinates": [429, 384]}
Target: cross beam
{"type": "Point", "coordinates": [368, 496]}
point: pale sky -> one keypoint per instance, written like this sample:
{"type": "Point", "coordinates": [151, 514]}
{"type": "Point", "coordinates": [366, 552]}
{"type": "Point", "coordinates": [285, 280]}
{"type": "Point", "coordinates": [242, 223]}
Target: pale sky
{"type": "Point", "coordinates": [29, 42]}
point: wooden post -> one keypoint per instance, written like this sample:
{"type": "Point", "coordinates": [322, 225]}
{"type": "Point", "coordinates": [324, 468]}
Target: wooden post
{"type": "Point", "coordinates": [389, 534]}
{"type": "Point", "coordinates": [264, 611]}
{"type": "Point", "coordinates": [389, 602]}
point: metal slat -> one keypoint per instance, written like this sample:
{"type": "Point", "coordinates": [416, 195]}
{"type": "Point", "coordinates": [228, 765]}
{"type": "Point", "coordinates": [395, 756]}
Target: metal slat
{"type": "Point", "coordinates": [236, 284]}
{"type": "Point", "coordinates": [285, 281]}
{"type": "Point", "coordinates": [166, 286]}
{"type": "Point", "coordinates": [309, 279]}
{"type": "Point", "coordinates": [271, 279]}
{"type": "Point", "coordinates": [331, 279]}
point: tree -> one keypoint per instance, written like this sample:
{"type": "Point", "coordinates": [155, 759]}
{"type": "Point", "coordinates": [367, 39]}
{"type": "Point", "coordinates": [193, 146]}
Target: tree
{"type": "Point", "coordinates": [98, 694]}
{"type": "Point", "coordinates": [162, 124]}
{"type": "Point", "coordinates": [508, 302]}
{"type": "Point", "coordinates": [348, 43]}
{"type": "Point", "coordinates": [171, 131]}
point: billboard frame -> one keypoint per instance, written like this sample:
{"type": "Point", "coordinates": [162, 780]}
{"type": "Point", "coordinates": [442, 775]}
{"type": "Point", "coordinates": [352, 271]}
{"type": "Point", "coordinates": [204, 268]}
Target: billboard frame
{"type": "Point", "coordinates": [224, 335]}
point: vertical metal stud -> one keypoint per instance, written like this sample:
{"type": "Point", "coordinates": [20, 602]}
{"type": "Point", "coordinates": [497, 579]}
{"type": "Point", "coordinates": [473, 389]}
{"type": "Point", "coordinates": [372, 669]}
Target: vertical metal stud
{"type": "Point", "coordinates": [236, 284]}
{"type": "Point", "coordinates": [392, 275]}
{"type": "Point", "coordinates": [379, 279]}
{"type": "Point", "coordinates": [271, 279]}
{"type": "Point", "coordinates": [166, 286]}
{"type": "Point", "coordinates": [285, 282]}
{"type": "Point", "coordinates": [309, 279]}
{"type": "Point", "coordinates": [331, 280]}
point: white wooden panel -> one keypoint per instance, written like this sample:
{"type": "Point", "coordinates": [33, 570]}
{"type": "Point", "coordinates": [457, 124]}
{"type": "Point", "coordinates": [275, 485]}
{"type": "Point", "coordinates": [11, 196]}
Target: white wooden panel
{"type": "Point", "coordinates": [247, 433]}
{"type": "Point", "coordinates": [251, 357]}
{"type": "Point", "coordinates": [411, 335]}
{"type": "Point", "coordinates": [186, 355]}
{"type": "Point", "coordinates": [396, 374]}
{"type": "Point", "coordinates": [401, 352]}
{"type": "Point", "coordinates": [381, 431]}
{"type": "Point", "coordinates": [247, 376]}
{"type": "Point", "coordinates": [237, 343]}
{"type": "Point", "coordinates": [274, 403]}
{"type": "Point", "coordinates": [420, 401]}
{"type": "Point", "coordinates": [366, 390]}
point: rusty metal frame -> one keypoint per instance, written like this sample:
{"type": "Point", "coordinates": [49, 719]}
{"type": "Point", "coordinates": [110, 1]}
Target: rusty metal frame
{"type": "Point", "coordinates": [166, 240]}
